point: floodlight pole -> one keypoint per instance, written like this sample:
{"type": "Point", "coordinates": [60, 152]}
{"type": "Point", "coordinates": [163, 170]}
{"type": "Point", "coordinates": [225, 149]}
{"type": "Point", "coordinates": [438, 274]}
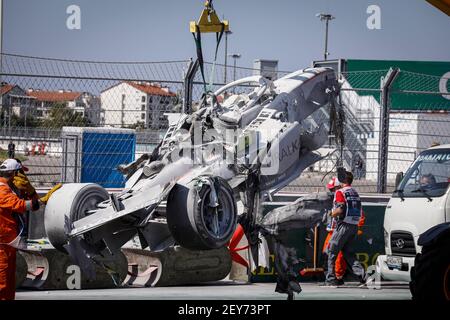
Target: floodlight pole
{"type": "Point", "coordinates": [235, 56]}
{"type": "Point", "coordinates": [325, 17]}
{"type": "Point", "coordinates": [226, 55]}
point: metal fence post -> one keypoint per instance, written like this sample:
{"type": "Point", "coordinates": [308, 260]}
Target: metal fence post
{"type": "Point", "coordinates": [188, 84]}
{"type": "Point", "coordinates": [383, 148]}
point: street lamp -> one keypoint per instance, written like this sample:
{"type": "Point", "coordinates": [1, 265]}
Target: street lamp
{"type": "Point", "coordinates": [226, 55]}
{"type": "Point", "coordinates": [235, 56]}
{"type": "Point", "coordinates": [325, 17]}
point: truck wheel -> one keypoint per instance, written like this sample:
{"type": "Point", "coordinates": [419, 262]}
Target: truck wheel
{"type": "Point", "coordinates": [430, 276]}
{"type": "Point", "coordinates": [67, 205]}
{"type": "Point", "coordinates": [193, 223]}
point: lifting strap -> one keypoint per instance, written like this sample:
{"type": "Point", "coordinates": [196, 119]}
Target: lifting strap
{"type": "Point", "coordinates": [218, 39]}
{"type": "Point", "coordinates": [204, 26]}
{"type": "Point", "coordinates": [198, 45]}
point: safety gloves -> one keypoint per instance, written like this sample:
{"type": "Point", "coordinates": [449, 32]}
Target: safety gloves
{"type": "Point", "coordinates": [22, 183]}
{"type": "Point", "coordinates": [45, 198]}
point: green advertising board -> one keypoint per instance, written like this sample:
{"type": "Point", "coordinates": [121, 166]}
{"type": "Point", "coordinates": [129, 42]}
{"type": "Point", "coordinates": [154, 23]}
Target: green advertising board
{"type": "Point", "coordinates": [427, 82]}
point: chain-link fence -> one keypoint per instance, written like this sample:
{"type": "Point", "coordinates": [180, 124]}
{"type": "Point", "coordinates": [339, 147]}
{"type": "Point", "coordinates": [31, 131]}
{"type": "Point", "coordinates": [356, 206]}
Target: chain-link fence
{"type": "Point", "coordinates": [418, 106]}
{"type": "Point", "coordinates": [41, 97]}
{"type": "Point", "coordinates": [123, 109]}
{"type": "Point", "coordinates": [377, 147]}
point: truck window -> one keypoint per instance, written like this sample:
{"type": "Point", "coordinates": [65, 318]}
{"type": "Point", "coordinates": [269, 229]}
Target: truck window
{"type": "Point", "coordinates": [428, 176]}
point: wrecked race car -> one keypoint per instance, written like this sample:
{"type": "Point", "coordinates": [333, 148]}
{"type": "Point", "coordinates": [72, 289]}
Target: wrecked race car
{"type": "Point", "coordinates": [185, 193]}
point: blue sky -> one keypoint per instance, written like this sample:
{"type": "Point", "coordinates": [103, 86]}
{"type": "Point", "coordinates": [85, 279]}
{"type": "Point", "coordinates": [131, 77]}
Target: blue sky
{"type": "Point", "coordinates": [286, 30]}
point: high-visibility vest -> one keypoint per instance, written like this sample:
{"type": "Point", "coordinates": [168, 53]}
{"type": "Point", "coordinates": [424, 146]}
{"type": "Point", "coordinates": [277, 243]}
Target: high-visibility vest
{"type": "Point", "coordinates": [353, 208]}
{"type": "Point", "coordinates": [331, 224]}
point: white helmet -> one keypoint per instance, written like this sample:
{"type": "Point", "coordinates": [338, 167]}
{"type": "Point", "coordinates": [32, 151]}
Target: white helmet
{"type": "Point", "coordinates": [10, 165]}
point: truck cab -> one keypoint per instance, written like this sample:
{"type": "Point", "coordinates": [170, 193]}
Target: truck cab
{"type": "Point", "coordinates": [421, 200]}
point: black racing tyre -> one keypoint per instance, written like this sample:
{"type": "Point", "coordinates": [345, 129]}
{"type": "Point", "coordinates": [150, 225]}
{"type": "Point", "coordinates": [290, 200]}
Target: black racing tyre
{"type": "Point", "coordinates": [21, 269]}
{"type": "Point", "coordinates": [67, 205]}
{"type": "Point", "coordinates": [192, 222]}
{"type": "Point", "coordinates": [430, 276]}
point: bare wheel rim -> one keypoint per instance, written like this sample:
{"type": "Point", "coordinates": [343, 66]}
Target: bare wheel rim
{"type": "Point", "coordinates": [217, 220]}
{"type": "Point", "coordinates": [87, 203]}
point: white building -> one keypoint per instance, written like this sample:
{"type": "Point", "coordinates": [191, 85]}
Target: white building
{"type": "Point", "coordinates": [15, 101]}
{"type": "Point", "coordinates": [83, 103]}
{"type": "Point", "coordinates": [132, 104]}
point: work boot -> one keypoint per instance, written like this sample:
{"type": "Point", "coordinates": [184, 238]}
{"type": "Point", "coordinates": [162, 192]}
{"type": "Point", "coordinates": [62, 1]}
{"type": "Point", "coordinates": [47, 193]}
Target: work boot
{"type": "Point", "coordinates": [291, 295]}
{"type": "Point", "coordinates": [282, 284]}
{"type": "Point", "coordinates": [295, 286]}
{"type": "Point", "coordinates": [281, 290]}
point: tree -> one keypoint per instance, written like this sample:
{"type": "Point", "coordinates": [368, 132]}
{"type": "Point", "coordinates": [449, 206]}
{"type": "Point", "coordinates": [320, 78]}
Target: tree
{"type": "Point", "coordinates": [61, 115]}
{"type": "Point", "coordinates": [29, 121]}
{"type": "Point", "coordinates": [16, 121]}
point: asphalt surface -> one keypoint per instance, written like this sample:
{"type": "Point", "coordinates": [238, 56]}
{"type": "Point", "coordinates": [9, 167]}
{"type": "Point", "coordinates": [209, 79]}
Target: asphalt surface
{"type": "Point", "coordinates": [226, 290]}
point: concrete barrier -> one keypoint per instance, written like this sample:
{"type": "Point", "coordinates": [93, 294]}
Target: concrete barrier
{"type": "Point", "coordinates": [176, 266]}
{"type": "Point", "coordinates": [49, 269]}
